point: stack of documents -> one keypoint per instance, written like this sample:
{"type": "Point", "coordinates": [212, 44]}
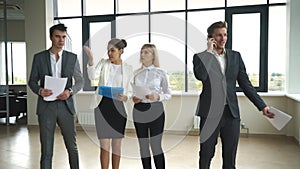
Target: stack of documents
{"type": "Point", "coordinates": [280, 119]}
{"type": "Point", "coordinates": [57, 85]}
{"type": "Point", "coordinates": [111, 92]}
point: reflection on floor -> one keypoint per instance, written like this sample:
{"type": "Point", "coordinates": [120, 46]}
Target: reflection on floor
{"type": "Point", "coordinates": [20, 149]}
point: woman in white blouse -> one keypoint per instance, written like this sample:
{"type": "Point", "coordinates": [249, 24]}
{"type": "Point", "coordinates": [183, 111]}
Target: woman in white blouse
{"type": "Point", "coordinates": [148, 112]}
{"type": "Point", "coordinates": [110, 114]}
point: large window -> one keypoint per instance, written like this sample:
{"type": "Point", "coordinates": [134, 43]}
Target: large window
{"type": "Point", "coordinates": [248, 34]}
{"type": "Point", "coordinates": [198, 23]}
{"type": "Point", "coordinates": [167, 5]}
{"type": "Point", "coordinates": [169, 41]}
{"type": "Point", "coordinates": [249, 48]}
{"type": "Point", "coordinates": [67, 8]}
{"type": "Point", "coordinates": [134, 7]}
{"type": "Point", "coordinates": [73, 42]}
{"type": "Point", "coordinates": [16, 53]}
{"type": "Point", "coordinates": [277, 48]}
{"type": "Point", "coordinates": [178, 29]}
{"type": "Point", "coordinates": [135, 36]}
{"type": "Point", "coordinates": [245, 2]}
{"type": "Point", "coordinates": [99, 7]}
{"type": "Point", "coordinates": [192, 4]}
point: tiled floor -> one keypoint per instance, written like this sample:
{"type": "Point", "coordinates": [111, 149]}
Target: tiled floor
{"type": "Point", "coordinates": [20, 149]}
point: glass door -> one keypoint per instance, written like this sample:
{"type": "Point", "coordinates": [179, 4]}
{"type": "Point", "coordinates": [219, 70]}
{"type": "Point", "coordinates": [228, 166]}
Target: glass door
{"type": "Point", "coordinates": [97, 31]}
{"type": "Point", "coordinates": [248, 34]}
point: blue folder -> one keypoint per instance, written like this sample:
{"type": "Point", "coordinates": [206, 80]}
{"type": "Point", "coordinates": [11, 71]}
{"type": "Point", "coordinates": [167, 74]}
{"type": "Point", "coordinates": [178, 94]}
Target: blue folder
{"type": "Point", "coordinates": [111, 92]}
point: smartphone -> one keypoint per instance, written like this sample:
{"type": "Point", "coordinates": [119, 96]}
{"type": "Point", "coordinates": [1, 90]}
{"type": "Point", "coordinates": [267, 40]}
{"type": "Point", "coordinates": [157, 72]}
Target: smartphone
{"type": "Point", "coordinates": [210, 36]}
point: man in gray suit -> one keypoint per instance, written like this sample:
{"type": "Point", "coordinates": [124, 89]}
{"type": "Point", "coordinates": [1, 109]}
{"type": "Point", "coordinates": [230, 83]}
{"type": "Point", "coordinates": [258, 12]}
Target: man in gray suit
{"type": "Point", "coordinates": [59, 63]}
{"type": "Point", "coordinates": [217, 67]}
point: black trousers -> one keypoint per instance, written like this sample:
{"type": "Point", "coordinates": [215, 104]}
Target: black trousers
{"type": "Point", "coordinates": [149, 120]}
{"type": "Point", "coordinates": [229, 130]}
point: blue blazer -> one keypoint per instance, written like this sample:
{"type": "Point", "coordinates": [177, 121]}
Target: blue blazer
{"type": "Point", "coordinates": [235, 72]}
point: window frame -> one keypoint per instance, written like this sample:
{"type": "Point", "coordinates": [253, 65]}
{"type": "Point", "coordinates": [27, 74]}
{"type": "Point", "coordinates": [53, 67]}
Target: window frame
{"type": "Point", "coordinates": [263, 9]}
{"type": "Point", "coordinates": [86, 20]}
{"type": "Point", "coordinates": [263, 54]}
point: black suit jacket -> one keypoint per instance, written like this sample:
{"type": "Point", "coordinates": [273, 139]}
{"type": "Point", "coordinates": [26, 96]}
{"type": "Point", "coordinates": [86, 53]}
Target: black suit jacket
{"type": "Point", "coordinates": [41, 66]}
{"type": "Point", "coordinates": [235, 72]}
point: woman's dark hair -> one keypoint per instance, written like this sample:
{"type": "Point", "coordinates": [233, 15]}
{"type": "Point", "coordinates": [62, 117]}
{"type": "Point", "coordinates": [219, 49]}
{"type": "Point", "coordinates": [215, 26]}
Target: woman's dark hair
{"type": "Point", "coordinates": [118, 43]}
{"type": "Point", "coordinates": [60, 27]}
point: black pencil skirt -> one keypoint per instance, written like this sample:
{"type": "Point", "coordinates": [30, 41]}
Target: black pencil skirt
{"type": "Point", "coordinates": [110, 118]}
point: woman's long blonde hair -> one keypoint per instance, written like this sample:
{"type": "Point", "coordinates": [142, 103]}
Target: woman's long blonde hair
{"type": "Point", "coordinates": [153, 49]}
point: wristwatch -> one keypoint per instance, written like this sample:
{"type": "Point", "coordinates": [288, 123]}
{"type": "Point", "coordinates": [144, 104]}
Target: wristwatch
{"type": "Point", "coordinates": [71, 91]}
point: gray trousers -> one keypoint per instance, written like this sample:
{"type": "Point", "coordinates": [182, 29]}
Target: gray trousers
{"type": "Point", "coordinates": [57, 112]}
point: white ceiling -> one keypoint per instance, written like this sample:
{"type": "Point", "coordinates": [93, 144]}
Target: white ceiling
{"type": "Point", "coordinates": [14, 8]}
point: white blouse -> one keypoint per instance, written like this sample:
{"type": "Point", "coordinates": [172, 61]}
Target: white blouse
{"type": "Point", "coordinates": [101, 73]}
{"type": "Point", "coordinates": [156, 80]}
{"type": "Point", "coordinates": [115, 76]}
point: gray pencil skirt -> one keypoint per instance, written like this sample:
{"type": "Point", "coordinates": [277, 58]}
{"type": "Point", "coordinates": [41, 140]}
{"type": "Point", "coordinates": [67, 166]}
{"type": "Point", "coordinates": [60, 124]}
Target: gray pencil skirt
{"type": "Point", "coordinates": [110, 118]}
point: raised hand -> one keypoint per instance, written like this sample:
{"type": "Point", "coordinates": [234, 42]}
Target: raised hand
{"type": "Point", "coordinates": [89, 53]}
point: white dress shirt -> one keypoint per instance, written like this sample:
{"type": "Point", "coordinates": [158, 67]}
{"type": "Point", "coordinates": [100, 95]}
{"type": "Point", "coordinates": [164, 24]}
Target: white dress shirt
{"type": "Point", "coordinates": [156, 80]}
{"type": "Point", "coordinates": [222, 60]}
{"type": "Point", "coordinates": [56, 65]}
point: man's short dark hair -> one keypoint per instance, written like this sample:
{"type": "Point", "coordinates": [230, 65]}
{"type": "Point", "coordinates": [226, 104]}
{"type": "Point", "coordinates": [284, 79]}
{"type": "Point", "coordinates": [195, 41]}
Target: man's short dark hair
{"type": "Point", "coordinates": [216, 25]}
{"type": "Point", "coordinates": [59, 26]}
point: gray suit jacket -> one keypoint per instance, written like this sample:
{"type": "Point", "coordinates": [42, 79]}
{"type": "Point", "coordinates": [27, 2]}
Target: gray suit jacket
{"type": "Point", "coordinates": [41, 66]}
{"type": "Point", "coordinates": [235, 72]}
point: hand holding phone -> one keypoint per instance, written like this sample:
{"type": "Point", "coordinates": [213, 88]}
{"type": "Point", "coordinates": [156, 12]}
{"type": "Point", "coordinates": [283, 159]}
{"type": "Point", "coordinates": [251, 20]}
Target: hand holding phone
{"type": "Point", "coordinates": [211, 43]}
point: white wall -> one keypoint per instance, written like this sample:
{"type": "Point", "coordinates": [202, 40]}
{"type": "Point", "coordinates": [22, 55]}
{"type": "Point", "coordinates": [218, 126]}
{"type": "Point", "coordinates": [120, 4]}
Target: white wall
{"type": "Point", "coordinates": [37, 39]}
{"type": "Point", "coordinates": [180, 112]}
{"type": "Point", "coordinates": [293, 104]}
{"type": "Point", "coordinates": [293, 25]}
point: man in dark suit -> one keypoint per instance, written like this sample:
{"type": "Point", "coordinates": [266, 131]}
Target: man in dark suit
{"type": "Point", "coordinates": [218, 106]}
{"type": "Point", "coordinates": [58, 63]}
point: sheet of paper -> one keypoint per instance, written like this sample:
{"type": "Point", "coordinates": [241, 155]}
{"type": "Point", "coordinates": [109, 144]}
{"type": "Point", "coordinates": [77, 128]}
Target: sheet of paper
{"type": "Point", "coordinates": [281, 118]}
{"type": "Point", "coordinates": [57, 85]}
{"type": "Point", "coordinates": [140, 91]}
